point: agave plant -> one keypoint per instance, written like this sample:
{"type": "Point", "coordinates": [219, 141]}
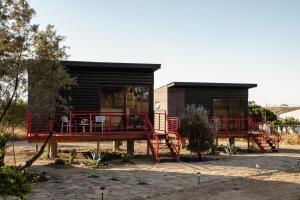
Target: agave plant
{"type": "Point", "coordinates": [97, 159]}
{"type": "Point", "coordinates": [230, 149]}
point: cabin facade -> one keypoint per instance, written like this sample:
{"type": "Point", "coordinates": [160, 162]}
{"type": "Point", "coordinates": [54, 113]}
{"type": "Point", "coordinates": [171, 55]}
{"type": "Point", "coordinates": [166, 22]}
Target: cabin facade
{"type": "Point", "coordinates": [226, 102]}
{"type": "Point", "coordinates": [227, 107]}
{"type": "Point", "coordinates": [115, 91]}
{"type": "Point", "coordinates": [111, 102]}
{"type": "Point", "coordinates": [117, 102]}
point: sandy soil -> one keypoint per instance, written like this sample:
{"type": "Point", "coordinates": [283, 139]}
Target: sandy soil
{"type": "Point", "coordinates": [224, 177]}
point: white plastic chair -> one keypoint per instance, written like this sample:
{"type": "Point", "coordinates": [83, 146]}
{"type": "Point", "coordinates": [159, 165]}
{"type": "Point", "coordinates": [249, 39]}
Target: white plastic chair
{"type": "Point", "coordinates": [99, 122]}
{"type": "Point", "coordinates": [64, 123]}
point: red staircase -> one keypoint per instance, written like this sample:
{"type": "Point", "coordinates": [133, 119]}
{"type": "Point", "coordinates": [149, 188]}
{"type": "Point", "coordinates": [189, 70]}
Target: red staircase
{"type": "Point", "coordinates": [264, 135]}
{"type": "Point", "coordinates": [164, 140]}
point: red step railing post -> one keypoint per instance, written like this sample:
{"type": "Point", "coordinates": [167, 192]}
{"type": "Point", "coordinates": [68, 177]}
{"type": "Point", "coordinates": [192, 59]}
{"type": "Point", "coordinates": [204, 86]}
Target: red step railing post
{"type": "Point", "coordinates": [70, 122]}
{"type": "Point", "coordinates": [109, 126]}
{"type": "Point", "coordinates": [91, 123]}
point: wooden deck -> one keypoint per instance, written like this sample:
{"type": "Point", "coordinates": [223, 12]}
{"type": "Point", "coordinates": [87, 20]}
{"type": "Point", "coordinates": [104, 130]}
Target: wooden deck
{"type": "Point", "coordinates": [232, 134]}
{"type": "Point", "coordinates": [88, 137]}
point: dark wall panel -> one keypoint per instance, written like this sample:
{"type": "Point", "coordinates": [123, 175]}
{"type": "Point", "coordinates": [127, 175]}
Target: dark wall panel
{"type": "Point", "coordinates": [204, 96]}
{"type": "Point", "coordinates": [86, 94]}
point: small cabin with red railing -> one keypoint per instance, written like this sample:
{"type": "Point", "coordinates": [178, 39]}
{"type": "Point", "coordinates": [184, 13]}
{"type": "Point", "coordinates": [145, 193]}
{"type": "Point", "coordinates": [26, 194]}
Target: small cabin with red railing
{"type": "Point", "coordinates": [115, 102]}
{"type": "Point", "coordinates": [227, 106]}
{"type": "Point", "coordinates": [226, 103]}
{"type": "Point", "coordinates": [110, 102]}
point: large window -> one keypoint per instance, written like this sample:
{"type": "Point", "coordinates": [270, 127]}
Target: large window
{"type": "Point", "coordinates": [229, 113]}
{"type": "Point", "coordinates": [236, 108]}
{"type": "Point", "coordinates": [112, 98]}
{"type": "Point", "coordinates": [137, 99]}
{"type": "Point", "coordinates": [220, 107]}
{"type": "Point", "coordinates": [130, 100]}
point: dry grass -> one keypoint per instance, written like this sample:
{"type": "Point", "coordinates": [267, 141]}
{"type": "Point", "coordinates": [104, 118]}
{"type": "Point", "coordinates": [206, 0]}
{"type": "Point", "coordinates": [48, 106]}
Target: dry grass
{"type": "Point", "coordinates": [290, 138]}
{"type": "Point", "coordinates": [19, 132]}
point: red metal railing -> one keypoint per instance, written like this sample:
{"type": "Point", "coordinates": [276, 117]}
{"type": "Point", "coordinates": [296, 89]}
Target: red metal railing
{"type": "Point", "coordinates": [229, 123]}
{"type": "Point", "coordinates": [151, 135]}
{"type": "Point", "coordinates": [163, 124]}
{"type": "Point", "coordinates": [173, 126]}
{"type": "Point", "coordinates": [268, 133]}
{"type": "Point", "coordinates": [84, 122]}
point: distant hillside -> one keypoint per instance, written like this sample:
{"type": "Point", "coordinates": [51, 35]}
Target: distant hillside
{"type": "Point", "coordinates": [280, 110]}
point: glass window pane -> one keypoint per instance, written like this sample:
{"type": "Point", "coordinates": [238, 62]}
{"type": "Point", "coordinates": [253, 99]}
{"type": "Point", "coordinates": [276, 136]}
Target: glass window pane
{"type": "Point", "coordinates": [220, 110]}
{"type": "Point", "coordinates": [137, 99]}
{"type": "Point", "coordinates": [112, 97]}
{"type": "Point", "coordinates": [220, 107]}
{"type": "Point", "coordinates": [137, 102]}
{"type": "Point", "coordinates": [236, 107]}
{"type": "Point", "coordinates": [236, 110]}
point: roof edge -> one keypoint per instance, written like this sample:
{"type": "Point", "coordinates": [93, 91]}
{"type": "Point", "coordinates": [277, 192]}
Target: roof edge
{"type": "Point", "coordinates": [212, 84]}
{"type": "Point", "coordinates": [68, 63]}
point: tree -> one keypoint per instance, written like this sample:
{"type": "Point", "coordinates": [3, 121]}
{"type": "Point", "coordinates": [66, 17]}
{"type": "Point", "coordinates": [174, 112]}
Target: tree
{"type": "Point", "coordinates": [47, 78]}
{"type": "Point", "coordinates": [259, 113]}
{"type": "Point", "coordinates": [23, 48]}
{"type": "Point", "coordinates": [196, 127]}
{"type": "Point", "coordinates": [16, 33]}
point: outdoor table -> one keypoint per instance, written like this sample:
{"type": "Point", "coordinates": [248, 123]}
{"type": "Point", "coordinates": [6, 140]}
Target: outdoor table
{"type": "Point", "coordinates": [83, 126]}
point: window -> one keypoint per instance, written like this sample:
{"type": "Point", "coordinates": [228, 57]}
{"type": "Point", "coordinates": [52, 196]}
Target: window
{"type": "Point", "coordinates": [220, 107]}
{"type": "Point", "coordinates": [112, 97]}
{"type": "Point", "coordinates": [236, 108]}
{"type": "Point", "coordinates": [137, 98]}
{"type": "Point", "coordinates": [229, 113]}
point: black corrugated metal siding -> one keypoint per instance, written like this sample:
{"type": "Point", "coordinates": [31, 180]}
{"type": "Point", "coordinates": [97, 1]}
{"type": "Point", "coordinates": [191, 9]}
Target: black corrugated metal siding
{"type": "Point", "coordinates": [86, 94]}
{"type": "Point", "coordinates": [205, 96]}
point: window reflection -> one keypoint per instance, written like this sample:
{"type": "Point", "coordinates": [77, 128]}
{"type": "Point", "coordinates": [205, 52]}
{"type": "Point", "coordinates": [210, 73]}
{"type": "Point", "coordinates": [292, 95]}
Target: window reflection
{"type": "Point", "coordinates": [229, 114]}
{"type": "Point", "coordinates": [137, 99]}
{"type": "Point", "coordinates": [133, 101]}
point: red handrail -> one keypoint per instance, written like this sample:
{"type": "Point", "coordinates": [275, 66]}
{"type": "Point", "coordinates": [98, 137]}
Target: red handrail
{"type": "Point", "coordinates": [154, 148]}
{"type": "Point", "coordinates": [174, 130]}
{"type": "Point", "coordinates": [77, 115]}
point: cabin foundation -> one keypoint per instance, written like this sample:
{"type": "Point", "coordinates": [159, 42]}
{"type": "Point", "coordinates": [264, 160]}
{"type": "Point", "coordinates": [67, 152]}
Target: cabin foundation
{"type": "Point", "coordinates": [130, 148]}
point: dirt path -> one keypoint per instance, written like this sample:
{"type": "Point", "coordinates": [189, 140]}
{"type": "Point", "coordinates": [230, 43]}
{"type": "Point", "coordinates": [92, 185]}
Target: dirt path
{"type": "Point", "coordinates": [236, 177]}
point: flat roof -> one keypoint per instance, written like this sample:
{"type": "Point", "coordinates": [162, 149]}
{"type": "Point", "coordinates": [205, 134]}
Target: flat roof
{"type": "Point", "coordinates": [108, 65]}
{"type": "Point", "coordinates": [208, 84]}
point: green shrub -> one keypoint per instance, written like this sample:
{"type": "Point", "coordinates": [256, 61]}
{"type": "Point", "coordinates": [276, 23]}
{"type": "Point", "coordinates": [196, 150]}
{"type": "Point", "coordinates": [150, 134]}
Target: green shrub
{"type": "Point", "coordinates": [4, 138]}
{"type": "Point", "coordinates": [195, 126]}
{"type": "Point", "coordinates": [72, 155]}
{"type": "Point", "coordinates": [59, 162]}
{"type": "Point", "coordinates": [125, 157]}
{"type": "Point", "coordinates": [13, 182]}
{"type": "Point", "coordinates": [16, 114]}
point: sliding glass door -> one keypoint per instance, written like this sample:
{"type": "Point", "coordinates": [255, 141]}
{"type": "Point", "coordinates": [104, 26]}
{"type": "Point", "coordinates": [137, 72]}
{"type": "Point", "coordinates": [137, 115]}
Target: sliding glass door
{"type": "Point", "coordinates": [229, 113]}
{"type": "Point", "coordinates": [133, 101]}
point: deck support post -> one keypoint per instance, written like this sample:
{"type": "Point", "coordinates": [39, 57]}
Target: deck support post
{"type": "Point", "coordinates": [232, 141]}
{"type": "Point", "coordinates": [248, 140]}
{"type": "Point", "coordinates": [217, 142]}
{"type": "Point", "coordinates": [130, 148]}
{"type": "Point", "coordinates": [36, 148]}
{"type": "Point", "coordinates": [48, 150]}
{"type": "Point", "coordinates": [98, 146]}
{"type": "Point", "coordinates": [116, 145]}
{"type": "Point", "coordinates": [148, 152]}
{"type": "Point", "coordinates": [53, 150]}
{"type": "Point", "coordinates": [183, 142]}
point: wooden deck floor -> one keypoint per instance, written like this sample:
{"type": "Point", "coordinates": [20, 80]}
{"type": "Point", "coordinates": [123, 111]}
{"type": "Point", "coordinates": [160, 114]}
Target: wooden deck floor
{"type": "Point", "coordinates": [88, 137]}
{"type": "Point", "coordinates": [232, 134]}
{"type": "Point", "coordinates": [113, 136]}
